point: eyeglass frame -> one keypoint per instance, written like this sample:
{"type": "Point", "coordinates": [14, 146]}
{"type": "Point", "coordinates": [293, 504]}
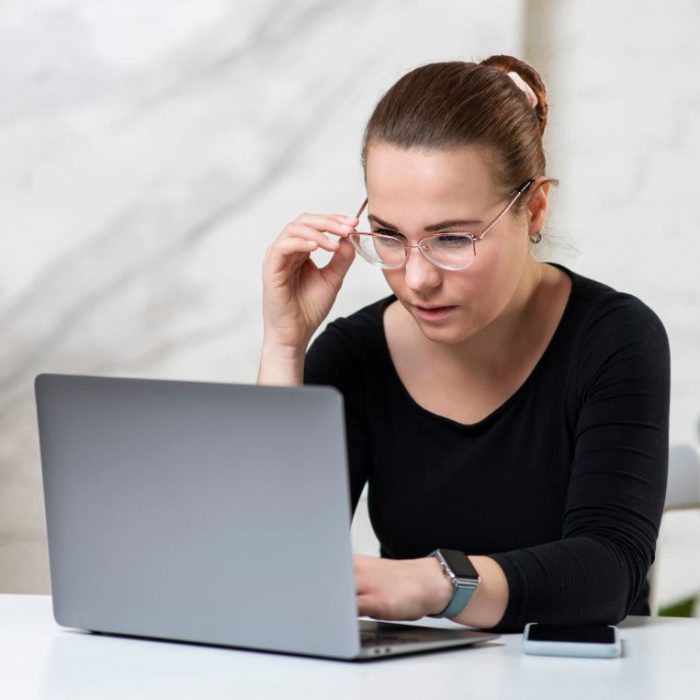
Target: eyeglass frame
{"type": "Point", "coordinates": [474, 237]}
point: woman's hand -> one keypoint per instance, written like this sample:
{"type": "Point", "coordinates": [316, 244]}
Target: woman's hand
{"type": "Point", "coordinates": [297, 295]}
{"type": "Point", "coordinates": [400, 589]}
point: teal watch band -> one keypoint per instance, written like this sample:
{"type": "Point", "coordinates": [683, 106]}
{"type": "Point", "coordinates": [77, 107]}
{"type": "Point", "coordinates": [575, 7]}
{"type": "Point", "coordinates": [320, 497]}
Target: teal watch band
{"type": "Point", "coordinates": [459, 600]}
{"type": "Point", "coordinates": [463, 577]}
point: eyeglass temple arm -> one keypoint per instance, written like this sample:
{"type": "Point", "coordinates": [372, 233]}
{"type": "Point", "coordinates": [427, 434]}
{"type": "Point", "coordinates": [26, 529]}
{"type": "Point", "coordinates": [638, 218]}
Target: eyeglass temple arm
{"type": "Point", "coordinates": [521, 189]}
{"type": "Point", "coordinates": [525, 185]}
{"type": "Point", "coordinates": [361, 209]}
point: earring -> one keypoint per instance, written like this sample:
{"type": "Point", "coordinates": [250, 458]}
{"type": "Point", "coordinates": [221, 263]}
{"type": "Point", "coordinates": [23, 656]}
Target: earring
{"type": "Point", "coordinates": [536, 238]}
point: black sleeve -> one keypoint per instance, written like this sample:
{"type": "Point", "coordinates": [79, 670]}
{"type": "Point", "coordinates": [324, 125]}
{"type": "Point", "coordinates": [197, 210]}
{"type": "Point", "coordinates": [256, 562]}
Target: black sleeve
{"type": "Point", "coordinates": [335, 359]}
{"type": "Point", "coordinates": [617, 488]}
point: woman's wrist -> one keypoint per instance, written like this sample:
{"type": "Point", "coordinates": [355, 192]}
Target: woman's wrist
{"type": "Point", "coordinates": [438, 589]}
{"type": "Point", "coordinates": [281, 364]}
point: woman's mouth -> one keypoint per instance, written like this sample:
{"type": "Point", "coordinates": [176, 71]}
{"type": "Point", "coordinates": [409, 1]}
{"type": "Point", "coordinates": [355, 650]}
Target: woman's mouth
{"type": "Point", "coordinates": [433, 313]}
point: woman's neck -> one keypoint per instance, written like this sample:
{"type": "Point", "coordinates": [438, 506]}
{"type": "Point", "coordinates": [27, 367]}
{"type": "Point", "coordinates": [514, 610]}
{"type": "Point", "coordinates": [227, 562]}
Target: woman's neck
{"type": "Point", "coordinates": [507, 339]}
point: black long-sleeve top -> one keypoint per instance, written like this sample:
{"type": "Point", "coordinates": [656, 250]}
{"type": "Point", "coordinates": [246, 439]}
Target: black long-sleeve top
{"type": "Point", "coordinates": [563, 484]}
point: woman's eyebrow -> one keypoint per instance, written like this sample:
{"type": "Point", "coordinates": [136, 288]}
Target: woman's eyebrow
{"type": "Point", "coordinates": [449, 223]}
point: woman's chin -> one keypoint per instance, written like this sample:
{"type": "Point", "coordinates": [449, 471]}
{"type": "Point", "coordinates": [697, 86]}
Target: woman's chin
{"type": "Point", "coordinates": [451, 333]}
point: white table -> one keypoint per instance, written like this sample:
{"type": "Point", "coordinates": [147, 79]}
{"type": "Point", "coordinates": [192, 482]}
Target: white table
{"type": "Point", "coordinates": [38, 659]}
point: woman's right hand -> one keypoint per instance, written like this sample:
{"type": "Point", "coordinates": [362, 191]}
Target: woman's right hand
{"type": "Point", "coordinates": [298, 295]}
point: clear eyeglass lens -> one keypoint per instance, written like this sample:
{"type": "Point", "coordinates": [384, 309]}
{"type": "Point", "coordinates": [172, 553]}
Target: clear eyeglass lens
{"type": "Point", "coordinates": [383, 251]}
{"type": "Point", "coordinates": [453, 252]}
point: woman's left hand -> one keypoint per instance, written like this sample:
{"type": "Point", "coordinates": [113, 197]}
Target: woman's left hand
{"type": "Point", "coordinates": [400, 589]}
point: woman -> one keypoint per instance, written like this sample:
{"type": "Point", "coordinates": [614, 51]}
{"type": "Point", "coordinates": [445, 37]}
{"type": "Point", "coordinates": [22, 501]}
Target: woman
{"type": "Point", "coordinates": [500, 407]}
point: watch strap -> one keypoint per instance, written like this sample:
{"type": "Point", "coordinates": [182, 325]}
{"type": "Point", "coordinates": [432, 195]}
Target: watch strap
{"type": "Point", "coordinates": [459, 600]}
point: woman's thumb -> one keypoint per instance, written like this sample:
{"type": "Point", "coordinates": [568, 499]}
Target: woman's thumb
{"type": "Point", "coordinates": [336, 269]}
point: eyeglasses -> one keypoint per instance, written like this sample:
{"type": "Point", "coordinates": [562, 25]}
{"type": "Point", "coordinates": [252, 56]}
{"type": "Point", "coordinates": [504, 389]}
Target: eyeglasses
{"type": "Point", "coordinates": [449, 251]}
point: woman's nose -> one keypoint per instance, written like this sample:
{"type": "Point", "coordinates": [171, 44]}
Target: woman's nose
{"type": "Point", "coordinates": [419, 273]}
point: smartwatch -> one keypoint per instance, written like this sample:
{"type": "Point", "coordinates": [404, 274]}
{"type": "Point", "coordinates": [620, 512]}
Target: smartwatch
{"type": "Point", "coordinates": [463, 577]}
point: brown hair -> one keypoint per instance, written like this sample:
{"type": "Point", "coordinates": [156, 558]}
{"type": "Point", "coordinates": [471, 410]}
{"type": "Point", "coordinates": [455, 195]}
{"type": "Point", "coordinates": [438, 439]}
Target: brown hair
{"type": "Point", "coordinates": [455, 104]}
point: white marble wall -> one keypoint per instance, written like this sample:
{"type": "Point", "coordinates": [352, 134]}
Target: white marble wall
{"type": "Point", "coordinates": [150, 152]}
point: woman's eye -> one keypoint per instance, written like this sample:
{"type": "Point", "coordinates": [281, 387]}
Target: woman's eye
{"type": "Point", "coordinates": [453, 240]}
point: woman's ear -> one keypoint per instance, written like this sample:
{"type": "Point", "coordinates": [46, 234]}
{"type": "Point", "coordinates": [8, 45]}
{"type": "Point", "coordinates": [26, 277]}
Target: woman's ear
{"type": "Point", "coordinates": [537, 205]}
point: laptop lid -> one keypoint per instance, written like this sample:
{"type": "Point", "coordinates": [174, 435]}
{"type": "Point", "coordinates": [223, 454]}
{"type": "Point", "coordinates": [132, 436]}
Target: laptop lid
{"type": "Point", "coordinates": [202, 512]}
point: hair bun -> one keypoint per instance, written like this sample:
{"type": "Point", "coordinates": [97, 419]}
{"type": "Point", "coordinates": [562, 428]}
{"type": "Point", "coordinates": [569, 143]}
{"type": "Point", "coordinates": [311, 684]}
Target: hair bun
{"type": "Point", "coordinates": [505, 64]}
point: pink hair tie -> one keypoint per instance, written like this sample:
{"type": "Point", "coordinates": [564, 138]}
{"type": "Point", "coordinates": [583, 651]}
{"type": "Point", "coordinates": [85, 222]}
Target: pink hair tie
{"type": "Point", "coordinates": [529, 92]}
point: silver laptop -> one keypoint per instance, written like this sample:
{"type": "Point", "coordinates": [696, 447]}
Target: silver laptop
{"type": "Point", "coordinates": [209, 513]}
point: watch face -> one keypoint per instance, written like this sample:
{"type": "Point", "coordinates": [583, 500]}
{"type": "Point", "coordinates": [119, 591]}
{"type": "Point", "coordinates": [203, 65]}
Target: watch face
{"type": "Point", "coordinates": [459, 563]}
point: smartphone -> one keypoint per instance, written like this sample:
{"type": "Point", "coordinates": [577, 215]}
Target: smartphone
{"type": "Point", "coordinates": [597, 641]}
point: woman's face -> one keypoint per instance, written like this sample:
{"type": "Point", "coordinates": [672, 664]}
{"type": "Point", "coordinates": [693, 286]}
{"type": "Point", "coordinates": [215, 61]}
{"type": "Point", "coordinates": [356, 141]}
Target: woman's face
{"type": "Point", "coordinates": [413, 189]}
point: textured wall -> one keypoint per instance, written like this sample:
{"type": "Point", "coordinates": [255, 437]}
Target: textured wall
{"type": "Point", "coordinates": [150, 152]}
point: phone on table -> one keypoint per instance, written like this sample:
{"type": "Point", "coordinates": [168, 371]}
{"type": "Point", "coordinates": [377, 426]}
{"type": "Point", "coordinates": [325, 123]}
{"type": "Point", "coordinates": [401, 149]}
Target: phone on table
{"type": "Point", "coordinates": [597, 641]}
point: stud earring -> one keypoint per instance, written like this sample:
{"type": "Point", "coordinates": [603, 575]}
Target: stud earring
{"type": "Point", "coordinates": [536, 238]}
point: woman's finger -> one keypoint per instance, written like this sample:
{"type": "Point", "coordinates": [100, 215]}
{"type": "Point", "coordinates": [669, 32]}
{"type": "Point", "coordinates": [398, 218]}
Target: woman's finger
{"type": "Point", "coordinates": [321, 222]}
{"type": "Point", "coordinates": [366, 606]}
{"type": "Point", "coordinates": [288, 253]}
{"type": "Point", "coordinates": [302, 231]}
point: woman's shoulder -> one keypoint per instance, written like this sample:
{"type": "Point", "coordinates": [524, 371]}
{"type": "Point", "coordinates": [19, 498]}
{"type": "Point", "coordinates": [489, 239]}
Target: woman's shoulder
{"type": "Point", "coordinates": [596, 304]}
{"type": "Point", "coordinates": [365, 321]}
{"type": "Point", "coordinates": [352, 334]}
{"type": "Point", "coordinates": [339, 351]}
{"type": "Point", "coordinates": [605, 321]}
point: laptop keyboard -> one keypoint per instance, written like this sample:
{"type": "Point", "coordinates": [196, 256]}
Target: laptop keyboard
{"type": "Point", "coordinates": [384, 634]}
{"type": "Point", "coordinates": [370, 639]}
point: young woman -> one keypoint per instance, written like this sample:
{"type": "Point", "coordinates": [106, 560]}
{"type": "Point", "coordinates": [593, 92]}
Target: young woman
{"type": "Point", "coordinates": [505, 409]}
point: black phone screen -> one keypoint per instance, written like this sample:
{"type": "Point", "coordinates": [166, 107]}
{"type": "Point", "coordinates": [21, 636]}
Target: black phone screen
{"type": "Point", "coordinates": [591, 634]}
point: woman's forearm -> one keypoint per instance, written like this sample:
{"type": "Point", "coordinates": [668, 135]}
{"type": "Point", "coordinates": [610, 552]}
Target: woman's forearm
{"type": "Point", "coordinates": [488, 604]}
